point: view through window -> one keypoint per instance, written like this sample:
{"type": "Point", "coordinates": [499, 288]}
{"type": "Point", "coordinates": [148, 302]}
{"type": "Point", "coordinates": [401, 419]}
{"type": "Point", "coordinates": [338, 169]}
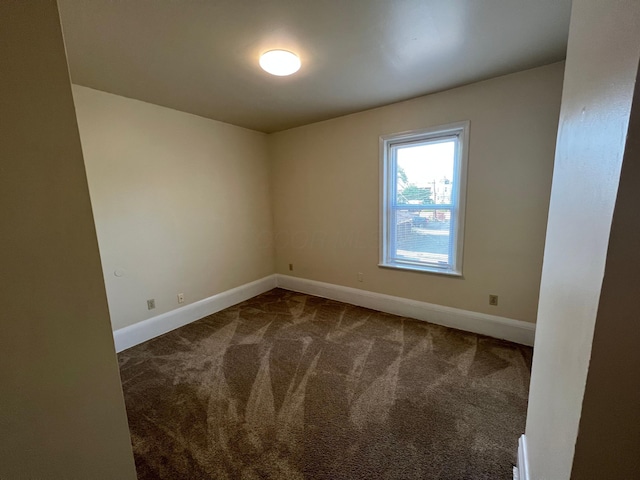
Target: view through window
{"type": "Point", "coordinates": [423, 187]}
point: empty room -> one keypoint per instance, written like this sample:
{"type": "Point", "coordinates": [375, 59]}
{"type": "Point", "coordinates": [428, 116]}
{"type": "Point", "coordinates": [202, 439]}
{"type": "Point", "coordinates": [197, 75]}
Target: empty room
{"type": "Point", "coordinates": [389, 239]}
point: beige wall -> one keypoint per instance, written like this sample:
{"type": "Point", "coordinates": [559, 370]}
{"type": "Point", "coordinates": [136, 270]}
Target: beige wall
{"type": "Point", "coordinates": [602, 61]}
{"type": "Point", "coordinates": [326, 193]}
{"type": "Point", "coordinates": [608, 444]}
{"type": "Point", "coordinates": [62, 412]}
{"type": "Point", "coordinates": [181, 203]}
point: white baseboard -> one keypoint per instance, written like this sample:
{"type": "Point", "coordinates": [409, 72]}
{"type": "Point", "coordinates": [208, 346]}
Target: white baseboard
{"type": "Point", "coordinates": [523, 463]}
{"type": "Point", "coordinates": [498, 327]}
{"type": "Point", "coordinates": [147, 329]}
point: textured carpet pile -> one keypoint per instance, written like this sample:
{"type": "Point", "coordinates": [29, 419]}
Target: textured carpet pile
{"type": "Point", "coordinates": [290, 386]}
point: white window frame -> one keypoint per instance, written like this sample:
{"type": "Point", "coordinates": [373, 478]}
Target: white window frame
{"type": "Point", "coordinates": [388, 186]}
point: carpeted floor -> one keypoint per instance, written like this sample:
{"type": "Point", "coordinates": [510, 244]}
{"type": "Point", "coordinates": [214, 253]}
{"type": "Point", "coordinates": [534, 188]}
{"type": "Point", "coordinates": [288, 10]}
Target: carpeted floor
{"type": "Point", "coordinates": [290, 386]}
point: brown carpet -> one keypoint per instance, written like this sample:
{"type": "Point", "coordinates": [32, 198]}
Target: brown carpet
{"type": "Point", "coordinates": [290, 386]}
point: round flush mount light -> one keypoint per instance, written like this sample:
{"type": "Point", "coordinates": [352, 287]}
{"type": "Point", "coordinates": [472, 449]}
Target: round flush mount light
{"type": "Point", "coordinates": [280, 62]}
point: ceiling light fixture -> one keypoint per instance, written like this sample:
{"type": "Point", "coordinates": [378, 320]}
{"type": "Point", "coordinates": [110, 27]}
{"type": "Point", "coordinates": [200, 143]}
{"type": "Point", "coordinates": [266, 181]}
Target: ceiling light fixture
{"type": "Point", "coordinates": [280, 62]}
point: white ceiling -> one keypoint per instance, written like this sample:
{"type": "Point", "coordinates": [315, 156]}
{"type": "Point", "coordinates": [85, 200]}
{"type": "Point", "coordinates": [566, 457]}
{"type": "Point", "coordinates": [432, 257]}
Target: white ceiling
{"type": "Point", "coordinates": [201, 56]}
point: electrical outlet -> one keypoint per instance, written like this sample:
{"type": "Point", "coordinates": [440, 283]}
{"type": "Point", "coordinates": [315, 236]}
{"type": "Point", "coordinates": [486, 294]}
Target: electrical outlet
{"type": "Point", "coordinates": [181, 298]}
{"type": "Point", "coordinates": [360, 277]}
{"type": "Point", "coordinates": [291, 267]}
{"type": "Point", "coordinates": [151, 304]}
{"type": "Point", "coordinates": [493, 300]}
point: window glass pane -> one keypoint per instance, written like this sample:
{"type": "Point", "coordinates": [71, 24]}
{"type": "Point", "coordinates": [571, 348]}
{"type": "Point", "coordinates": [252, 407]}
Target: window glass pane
{"type": "Point", "coordinates": [424, 181]}
{"type": "Point", "coordinates": [425, 172]}
{"type": "Point", "coordinates": [423, 236]}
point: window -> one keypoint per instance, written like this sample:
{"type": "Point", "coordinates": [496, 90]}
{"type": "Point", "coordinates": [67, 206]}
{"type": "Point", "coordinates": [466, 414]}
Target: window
{"type": "Point", "coordinates": [423, 196]}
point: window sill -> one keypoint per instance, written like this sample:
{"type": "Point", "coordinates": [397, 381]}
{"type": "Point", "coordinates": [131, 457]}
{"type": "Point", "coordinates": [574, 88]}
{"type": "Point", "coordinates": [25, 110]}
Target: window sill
{"type": "Point", "coordinates": [421, 269]}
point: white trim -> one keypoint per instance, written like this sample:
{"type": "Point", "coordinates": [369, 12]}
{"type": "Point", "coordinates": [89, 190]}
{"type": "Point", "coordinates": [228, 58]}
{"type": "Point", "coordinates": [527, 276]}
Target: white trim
{"type": "Point", "coordinates": [147, 329]}
{"type": "Point", "coordinates": [523, 461]}
{"type": "Point", "coordinates": [413, 268]}
{"type": "Point", "coordinates": [499, 327]}
{"type": "Point", "coordinates": [457, 206]}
